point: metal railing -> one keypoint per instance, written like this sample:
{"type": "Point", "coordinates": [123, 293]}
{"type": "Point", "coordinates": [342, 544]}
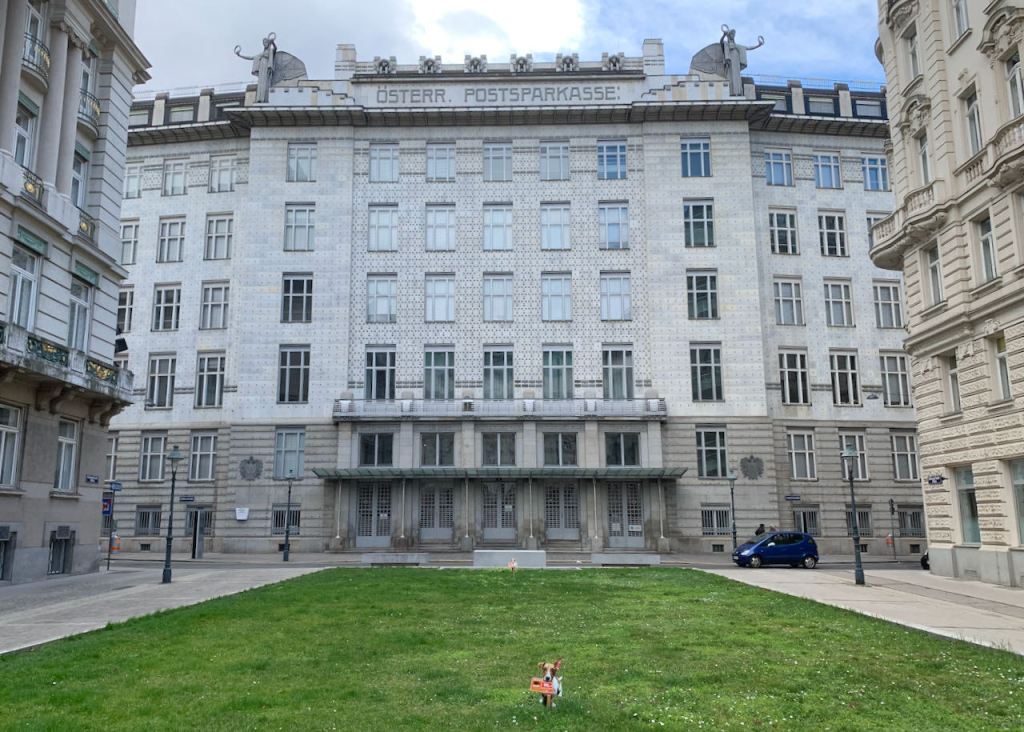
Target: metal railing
{"type": "Point", "coordinates": [36, 56]}
{"type": "Point", "coordinates": [470, 408]}
{"type": "Point", "coordinates": [21, 341]}
{"type": "Point", "coordinates": [32, 188]}
{"type": "Point", "coordinates": [89, 109]}
{"type": "Point", "coordinates": [87, 227]}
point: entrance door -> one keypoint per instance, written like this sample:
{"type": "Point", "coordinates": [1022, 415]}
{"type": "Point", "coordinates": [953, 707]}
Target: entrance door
{"type": "Point", "coordinates": [436, 512]}
{"type": "Point", "coordinates": [562, 512]}
{"type": "Point", "coordinates": [373, 514]}
{"type": "Point", "coordinates": [625, 515]}
{"type": "Point", "coordinates": [62, 548]}
{"type": "Point", "coordinates": [499, 511]}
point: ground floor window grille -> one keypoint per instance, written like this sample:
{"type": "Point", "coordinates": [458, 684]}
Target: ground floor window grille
{"type": "Point", "coordinates": [437, 507]}
{"type": "Point", "coordinates": [714, 520]}
{"type": "Point", "coordinates": [147, 521]}
{"type": "Point", "coordinates": [6, 553]}
{"type": "Point", "coordinates": [625, 510]}
{"type": "Point", "coordinates": [863, 521]}
{"type": "Point", "coordinates": [205, 522]}
{"type": "Point", "coordinates": [294, 518]}
{"type": "Point", "coordinates": [561, 507]}
{"type": "Point", "coordinates": [373, 509]}
{"type": "Point", "coordinates": [911, 521]}
{"type": "Point", "coordinates": [806, 520]}
{"type": "Point", "coordinates": [62, 549]}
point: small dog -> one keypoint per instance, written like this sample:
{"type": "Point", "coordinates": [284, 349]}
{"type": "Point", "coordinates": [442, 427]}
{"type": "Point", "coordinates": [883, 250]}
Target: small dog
{"type": "Point", "coordinates": [549, 685]}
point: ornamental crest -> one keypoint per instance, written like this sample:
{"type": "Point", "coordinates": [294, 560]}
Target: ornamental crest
{"type": "Point", "coordinates": [385, 65]}
{"type": "Point", "coordinates": [521, 64]}
{"type": "Point", "coordinates": [250, 469]}
{"type": "Point", "coordinates": [430, 65]}
{"type": "Point", "coordinates": [613, 61]}
{"type": "Point", "coordinates": [567, 63]}
{"type": "Point", "coordinates": [752, 467]}
{"type": "Point", "coordinates": [476, 64]}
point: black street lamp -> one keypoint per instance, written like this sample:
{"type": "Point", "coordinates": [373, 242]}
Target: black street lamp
{"type": "Point", "coordinates": [732, 503]}
{"type": "Point", "coordinates": [175, 457]}
{"type": "Point", "coordinates": [850, 456]}
{"type": "Point", "coordinates": [288, 514]}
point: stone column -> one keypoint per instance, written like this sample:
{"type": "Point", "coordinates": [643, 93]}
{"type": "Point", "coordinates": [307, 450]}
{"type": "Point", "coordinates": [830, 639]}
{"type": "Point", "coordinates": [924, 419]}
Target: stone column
{"type": "Point", "coordinates": [69, 124]}
{"type": "Point", "coordinates": [53, 107]}
{"type": "Point", "coordinates": [3, 14]}
{"type": "Point", "coordinates": [10, 69]}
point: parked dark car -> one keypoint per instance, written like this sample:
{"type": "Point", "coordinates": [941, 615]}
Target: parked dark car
{"type": "Point", "coordinates": [778, 547]}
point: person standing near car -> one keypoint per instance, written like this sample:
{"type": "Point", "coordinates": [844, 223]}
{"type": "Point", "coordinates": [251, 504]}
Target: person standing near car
{"type": "Point", "coordinates": [759, 530]}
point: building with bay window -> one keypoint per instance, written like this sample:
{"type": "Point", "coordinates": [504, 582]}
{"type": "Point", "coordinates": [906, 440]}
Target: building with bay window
{"type": "Point", "coordinates": [512, 304]}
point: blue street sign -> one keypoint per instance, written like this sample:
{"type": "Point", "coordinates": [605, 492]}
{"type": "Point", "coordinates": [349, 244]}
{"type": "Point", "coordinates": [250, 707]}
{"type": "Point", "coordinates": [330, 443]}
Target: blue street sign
{"type": "Point", "coordinates": [936, 479]}
{"type": "Point", "coordinates": [108, 506]}
{"type": "Point", "coordinates": [114, 486]}
{"type": "Point", "coordinates": [792, 498]}
{"type": "Point", "coordinates": [92, 479]}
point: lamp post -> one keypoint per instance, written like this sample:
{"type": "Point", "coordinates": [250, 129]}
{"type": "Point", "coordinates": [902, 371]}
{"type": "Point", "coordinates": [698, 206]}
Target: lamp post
{"type": "Point", "coordinates": [175, 457]}
{"type": "Point", "coordinates": [288, 514]}
{"type": "Point", "coordinates": [732, 503]}
{"type": "Point", "coordinates": [849, 455]}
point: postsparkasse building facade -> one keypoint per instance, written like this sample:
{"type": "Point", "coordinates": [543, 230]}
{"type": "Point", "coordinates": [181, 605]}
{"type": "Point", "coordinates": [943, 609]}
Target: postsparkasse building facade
{"type": "Point", "coordinates": [512, 304]}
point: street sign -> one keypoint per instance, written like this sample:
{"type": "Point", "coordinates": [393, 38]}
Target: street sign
{"type": "Point", "coordinates": [936, 479]}
{"type": "Point", "coordinates": [92, 479]}
{"type": "Point", "coordinates": [114, 486]}
{"type": "Point", "coordinates": [108, 506]}
{"type": "Point", "coordinates": [187, 499]}
{"type": "Point", "coordinates": [792, 498]}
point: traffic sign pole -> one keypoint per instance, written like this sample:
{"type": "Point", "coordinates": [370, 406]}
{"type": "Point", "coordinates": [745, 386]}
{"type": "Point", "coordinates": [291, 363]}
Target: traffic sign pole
{"type": "Point", "coordinates": [110, 538]}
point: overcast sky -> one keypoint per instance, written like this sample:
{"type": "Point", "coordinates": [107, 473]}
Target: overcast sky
{"type": "Point", "coordinates": [190, 42]}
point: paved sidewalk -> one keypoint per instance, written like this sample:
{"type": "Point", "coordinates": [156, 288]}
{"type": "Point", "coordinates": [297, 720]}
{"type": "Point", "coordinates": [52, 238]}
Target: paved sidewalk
{"type": "Point", "coordinates": [981, 613]}
{"type": "Point", "coordinates": [39, 612]}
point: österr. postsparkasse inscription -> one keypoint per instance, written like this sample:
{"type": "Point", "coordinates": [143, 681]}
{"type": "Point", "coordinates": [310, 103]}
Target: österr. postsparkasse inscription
{"type": "Point", "coordinates": [499, 95]}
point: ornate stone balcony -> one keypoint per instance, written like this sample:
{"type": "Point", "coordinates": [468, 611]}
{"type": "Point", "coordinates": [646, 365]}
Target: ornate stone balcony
{"type": "Point", "coordinates": [524, 408]}
{"type": "Point", "coordinates": [36, 58]}
{"type": "Point", "coordinates": [32, 188]}
{"type": "Point", "coordinates": [920, 215]}
{"type": "Point", "coordinates": [89, 111]}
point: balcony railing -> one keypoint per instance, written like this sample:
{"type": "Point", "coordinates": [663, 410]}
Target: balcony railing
{"type": "Point", "coordinates": [32, 188]}
{"type": "Point", "coordinates": [36, 56]}
{"type": "Point", "coordinates": [345, 409]}
{"type": "Point", "coordinates": [89, 109]}
{"type": "Point", "coordinates": [87, 227]}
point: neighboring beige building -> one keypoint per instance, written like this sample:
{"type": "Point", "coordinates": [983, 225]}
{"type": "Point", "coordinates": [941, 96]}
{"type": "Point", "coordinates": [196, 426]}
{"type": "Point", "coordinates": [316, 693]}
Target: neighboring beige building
{"type": "Point", "coordinates": [66, 73]}
{"type": "Point", "coordinates": [956, 110]}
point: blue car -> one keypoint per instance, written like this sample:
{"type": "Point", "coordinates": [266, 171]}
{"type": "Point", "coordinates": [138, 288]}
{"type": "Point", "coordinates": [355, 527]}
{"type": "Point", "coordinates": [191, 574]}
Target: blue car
{"type": "Point", "coordinates": [778, 547]}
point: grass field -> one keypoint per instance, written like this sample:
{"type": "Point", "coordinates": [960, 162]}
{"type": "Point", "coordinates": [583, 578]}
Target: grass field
{"type": "Point", "coordinates": [427, 649]}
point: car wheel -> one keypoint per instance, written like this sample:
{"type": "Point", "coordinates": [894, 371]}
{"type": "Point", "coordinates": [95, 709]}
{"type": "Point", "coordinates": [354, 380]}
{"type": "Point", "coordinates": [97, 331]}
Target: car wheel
{"type": "Point", "coordinates": [810, 562]}
{"type": "Point", "coordinates": [755, 562]}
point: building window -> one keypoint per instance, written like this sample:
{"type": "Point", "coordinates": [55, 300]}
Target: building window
{"type": "Point", "coordinates": [129, 242]}
{"type": "Point", "coordinates": [617, 372]}
{"type": "Point", "coordinates": [715, 520]}
{"type": "Point", "coordinates": [910, 520]}
{"type": "Point", "coordinates": [497, 227]}
{"type": "Point", "coordinates": [888, 311]}
{"type": "Point", "coordinates": [558, 373]}
{"type": "Point", "coordinates": [1015, 85]}
{"type": "Point", "coordinates": [282, 512]}
{"type": "Point", "coordinates": [615, 296]}
{"type": "Point", "coordinates": [706, 372]}
{"type": "Point", "coordinates": [299, 227]}
{"type": "Point", "coordinates": [383, 228]}
{"type": "Point", "coordinates": [845, 382]}
{"type": "Point", "coordinates": [960, 22]}
{"type": "Point", "coordinates": [497, 297]}
{"type": "Point", "coordinates": [67, 443]}
{"type": "Point", "coordinates": [876, 173]}
{"type": "Point", "coordinates": [904, 456]}
{"type": "Point", "coordinates": [383, 163]}
{"type": "Point", "coordinates": [1002, 367]}
{"type": "Point", "coordinates": [138, 118]}
{"type": "Point", "coordinates": [498, 161]}
{"type": "Point", "coordinates": [440, 162]}
{"type": "Point", "coordinates": [24, 137]}
{"type": "Point", "coordinates": [923, 160]}
{"type": "Point", "coordinates": [934, 267]}
{"type": "Point", "coordinates": [801, 455]}
{"type": "Point", "coordinates": [711, 457]}
{"type": "Point", "coordinates": [778, 167]}
{"type": "Point", "coordinates": [171, 243]}
{"type": "Point", "coordinates": [23, 287]}
{"type": "Point", "coordinates": [838, 304]}
{"type": "Point", "coordinates": [498, 374]}
{"type": "Point", "coordinates": [622, 449]}
{"type": "Point", "coordinates": [289, 452]}
{"type": "Point", "coordinates": [912, 57]}
{"type": "Point", "coordinates": [202, 456]}
{"type": "Point", "coordinates": [821, 105]}
{"type": "Point", "coordinates": [854, 441]}
{"type": "Point", "coordinates": [440, 228]}
{"type": "Point", "coordinates": [696, 158]}
{"type": "Point", "coordinates": [554, 161]}
{"type": "Point", "coordinates": [111, 457]}
{"type": "Point", "coordinates": [381, 298]}
{"type": "Point", "coordinates": [174, 178]}
{"type": "Point", "coordinates": [499, 448]}
{"type": "Point", "coordinates": [613, 225]}
{"type": "Point", "coordinates": [805, 519]}
{"type": "Point", "coordinates": [222, 173]}
{"type": "Point", "coordinates": [147, 520]}
{"type": "Point", "coordinates": [439, 375]}
{"type": "Point", "coordinates": [698, 224]}
{"type": "Point", "coordinates": [987, 250]}
{"type": "Point", "coordinates": [972, 117]}
{"type": "Point", "coordinates": [380, 374]}
{"type": "Point", "coordinates": [895, 380]}
{"type": "Point", "coordinates": [297, 298]}
{"type": "Point", "coordinates": [556, 296]}
{"type": "Point", "coordinates": [560, 448]}
{"type": "Point", "coordinates": [832, 235]}
{"type": "Point", "coordinates": [826, 168]}
{"type": "Point", "coordinates": [554, 226]}
{"type": "Point", "coordinates": [437, 449]}
{"type": "Point", "coordinates": [439, 298]}
{"type": "Point", "coordinates": [611, 159]}
{"type": "Point", "coordinates": [789, 303]}
{"type": "Point", "coordinates": [10, 424]}
{"type": "Point", "coordinates": [1017, 477]}
{"type": "Point", "coordinates": [214, 315]}
{"type": "Point", "coordinates": [301, 162]}
{"type": "Point", "coordinates": [293, 375]}
{"type": "Point", "coordinates": [210, 379]}
{"type": "Point", "coordinates": [863, 520]}
{"type": "Point", "coordinates": [160, 394]}
{"type": "Point", "coordinates": [79, 179]}
{"type": "Point", "coordinates": [180, 115]}
{"type": "Point", "coordinates": [953, 382]}
{"type": "Point", "coordinates": [79, 319]}
{"type": "Point", "coordinates": [151, 457]}
{"type": "Point", "coordinates": [166, 307]}
{"type": "Point", "coordinates": [968, 503]}
{"type": "Point", "coordinates": [702, 294]}
{"type": "Point", "coordinates": [793, 375]}
{"type": "Point", "coordinates": [782, 231]}
{"type": "Point", "coordinates": [218, 237]}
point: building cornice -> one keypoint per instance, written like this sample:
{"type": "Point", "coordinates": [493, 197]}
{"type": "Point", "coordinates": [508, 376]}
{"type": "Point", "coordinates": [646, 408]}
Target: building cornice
{"type": "Point", "coordinates": [191, 132]}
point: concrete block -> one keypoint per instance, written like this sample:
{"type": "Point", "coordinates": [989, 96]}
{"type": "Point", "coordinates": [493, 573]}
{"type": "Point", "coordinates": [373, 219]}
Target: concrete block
{"type": "Point", "coordinates": [624, 559]}
{"type": "Point", "coordinates": [501, 557]}
{"type": "Point", "coordinates": [379, 558]}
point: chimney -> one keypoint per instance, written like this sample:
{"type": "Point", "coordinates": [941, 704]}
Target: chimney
{"type": "Point", "coordinates": [345, 61]}
{"type": "Point", "coordinates": [654, 57]}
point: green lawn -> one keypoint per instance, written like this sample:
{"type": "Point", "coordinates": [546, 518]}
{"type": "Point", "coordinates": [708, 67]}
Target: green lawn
{"type": "Point", "coordinates": [357, 649]}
